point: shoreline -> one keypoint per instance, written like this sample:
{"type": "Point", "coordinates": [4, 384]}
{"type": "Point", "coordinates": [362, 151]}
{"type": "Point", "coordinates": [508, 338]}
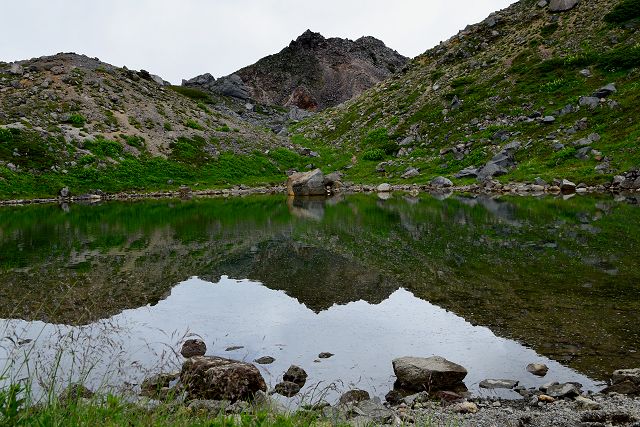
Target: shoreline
{"type": "Point", "coordinates": [494, 189]}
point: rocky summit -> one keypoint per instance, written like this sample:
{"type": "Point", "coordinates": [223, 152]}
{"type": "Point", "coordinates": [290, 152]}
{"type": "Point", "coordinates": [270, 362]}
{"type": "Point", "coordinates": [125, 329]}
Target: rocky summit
{"type": "Point", "coordinates": [312, 73]}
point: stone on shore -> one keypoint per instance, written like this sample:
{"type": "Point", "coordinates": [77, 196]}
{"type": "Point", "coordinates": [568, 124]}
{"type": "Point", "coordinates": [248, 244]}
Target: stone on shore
{"type": "Point", "coordinates": [625, 381]}
{"type": "Point", "coordinates": [354, 396]}
{"type": "Point", "coordinates": [192, 348]}
{"type": "Point", "coordinates": [295, 374]}
{"type": "Point", "coordinates": [216, 378]}
{"type": "Point", "coordinates": [566, 390]}
{"type": "Point", "coordinates": [287, 388]}
{"type": "Point", "coordinates": [384, 188]}
{"type": "Point", "coordinates": [430, 373]}
{"type": "Point", "coordinates": [310, 183]}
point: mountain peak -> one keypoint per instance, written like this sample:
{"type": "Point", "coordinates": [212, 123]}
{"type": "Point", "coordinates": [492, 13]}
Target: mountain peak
{"type": "Point", "coordinates": [309, 39]}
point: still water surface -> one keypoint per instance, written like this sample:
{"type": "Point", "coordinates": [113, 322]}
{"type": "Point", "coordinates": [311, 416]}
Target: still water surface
{"type": "Point", "coordinates": [492, 284]}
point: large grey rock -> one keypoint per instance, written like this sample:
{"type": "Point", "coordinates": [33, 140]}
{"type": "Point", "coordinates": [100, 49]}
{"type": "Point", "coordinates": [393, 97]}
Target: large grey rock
{"type": "Point", "coordinates": [559, 391]}
{"type": "Point", "coordinates": [589, 101]}
{"type": "Point", "coordinates": [490, 170]}
{"type": "Point", "coordinates": [625, 381]}
{"type": "Point", "coordinates": [441, 182]}
{"type": "Point", "coordinates": [216, 378]}
{"type": "Point", "coordinates": [383, 188]}
{"type": "Point", "coordinates": [430, 373]}
{"type": "Point", "coordinates": [307, 184]}
{"type": "Point", "coordinates": [232, 86]}
{"type": "Point", "coordinates": [562, 5]}
{"type": "Point", "coordinates": [469, 172]}
{"type": "Point", "coordinates": [605, 91]}
{"type": "Point", "coordinates": [16, 69]}
{"type": "Point", "coordinates": [410, 173]}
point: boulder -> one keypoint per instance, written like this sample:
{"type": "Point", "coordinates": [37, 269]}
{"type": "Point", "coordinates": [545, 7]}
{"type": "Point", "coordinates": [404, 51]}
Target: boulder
{"type": "Point", "coordinates": [548, 120]}
{"type": "Point", "coordinates": [464, 408]}
{"type": "Point", "coordinates": [307, 184]}
{"type": "Point", "coordinates": [566, 390]}
{"type": "Point", "coordinates": [295, 374]}
{"type": "Point", "coordinates": [469, 172]}
{"type": "Point", "coordinates": [193, 347]}
{"type": "Point", "coordinates": [589, 101]}
{"type": "Point", "coordinates": [65, 193]}
{"type": "Point", "coordinates": [625, 381]}
{"type": "Point", "coordinates": [354, 396]}
{"type": "Point", "coordinates": [538, 369]}
{"type": "Point", "coordinates": [410, 173]}
{"type": "Point", "coordinates": [216, 378]}
{"type": "Point", "coordinates": [16, 69]}
{"type": "Point", "coordinates": [430, 373]}
{"type": "Point", "coordinates": [567, 187]}
{"type": "Point", "coordinates": [605, 91]}
{"type": "Point", "coordinates": [384, 188]}
{"type": "Point", "coordinates": [441, 182]}
{"type": "Point", "coordinates": [287, 388]}
{"type": "Point", "coordinates": [562, 5]}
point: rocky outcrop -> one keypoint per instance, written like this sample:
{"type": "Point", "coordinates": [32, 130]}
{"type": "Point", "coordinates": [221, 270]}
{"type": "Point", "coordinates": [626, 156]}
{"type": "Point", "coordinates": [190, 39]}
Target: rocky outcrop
{"type": "Point", "coordinates": [430, 374]}
{"type": "Point", "coordinates": [312, 73]}
{"type": "Point", "coordinates": [216, 378]}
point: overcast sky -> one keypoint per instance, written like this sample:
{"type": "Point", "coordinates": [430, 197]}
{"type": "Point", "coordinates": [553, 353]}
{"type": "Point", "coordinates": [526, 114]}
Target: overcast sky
{"type": "Point", "coordinates": [183, 38]}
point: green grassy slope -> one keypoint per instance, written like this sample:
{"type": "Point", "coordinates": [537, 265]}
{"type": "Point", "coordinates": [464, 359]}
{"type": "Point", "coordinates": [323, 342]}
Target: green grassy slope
{"type": "Point", "coordinates": [490, 85]}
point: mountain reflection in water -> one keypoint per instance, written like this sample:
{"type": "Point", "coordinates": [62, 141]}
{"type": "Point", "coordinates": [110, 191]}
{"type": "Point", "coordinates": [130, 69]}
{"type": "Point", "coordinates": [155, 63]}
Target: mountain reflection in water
{"type": "Point", "coordinates": [559, 276]}
{"type": "Point", "coordinates": [364, 338]}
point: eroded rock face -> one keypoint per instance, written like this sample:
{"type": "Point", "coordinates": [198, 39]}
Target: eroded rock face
{"type": "Point", "coordinates": [430, 373]}
{"type": "Point", "coordinates": [216, 378]}
{"type": "Point", "coordinates": [307, 184]}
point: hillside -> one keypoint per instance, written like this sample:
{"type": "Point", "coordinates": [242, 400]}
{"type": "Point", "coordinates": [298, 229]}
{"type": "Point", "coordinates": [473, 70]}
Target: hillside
{"type": "Point", "coordinates": [535, 90]}
{"type": "Point", "coordinates": [72, 121]}
{"type": "Point", "coordinates": [312, 73]}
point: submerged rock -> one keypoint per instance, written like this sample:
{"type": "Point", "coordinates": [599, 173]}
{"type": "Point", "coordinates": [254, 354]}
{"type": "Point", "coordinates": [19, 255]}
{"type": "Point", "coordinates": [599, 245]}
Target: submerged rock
{"type": "Point", "coordinates": [563, 390]}
{"type": "Point", "coordinates": [538, 369]}
{"type": "Point", "coordinates": [325, 355]}
{"type": "Point", "coordinates": [265, 360]}
{"type": "Point", "coordinates": [430, 374]}
{"type": "Point", "coordinates": [493, 384]}
{"type": "Point", "coordinates": [194, 347]}
{"type": "Point", "coordinates": [216, 378]}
